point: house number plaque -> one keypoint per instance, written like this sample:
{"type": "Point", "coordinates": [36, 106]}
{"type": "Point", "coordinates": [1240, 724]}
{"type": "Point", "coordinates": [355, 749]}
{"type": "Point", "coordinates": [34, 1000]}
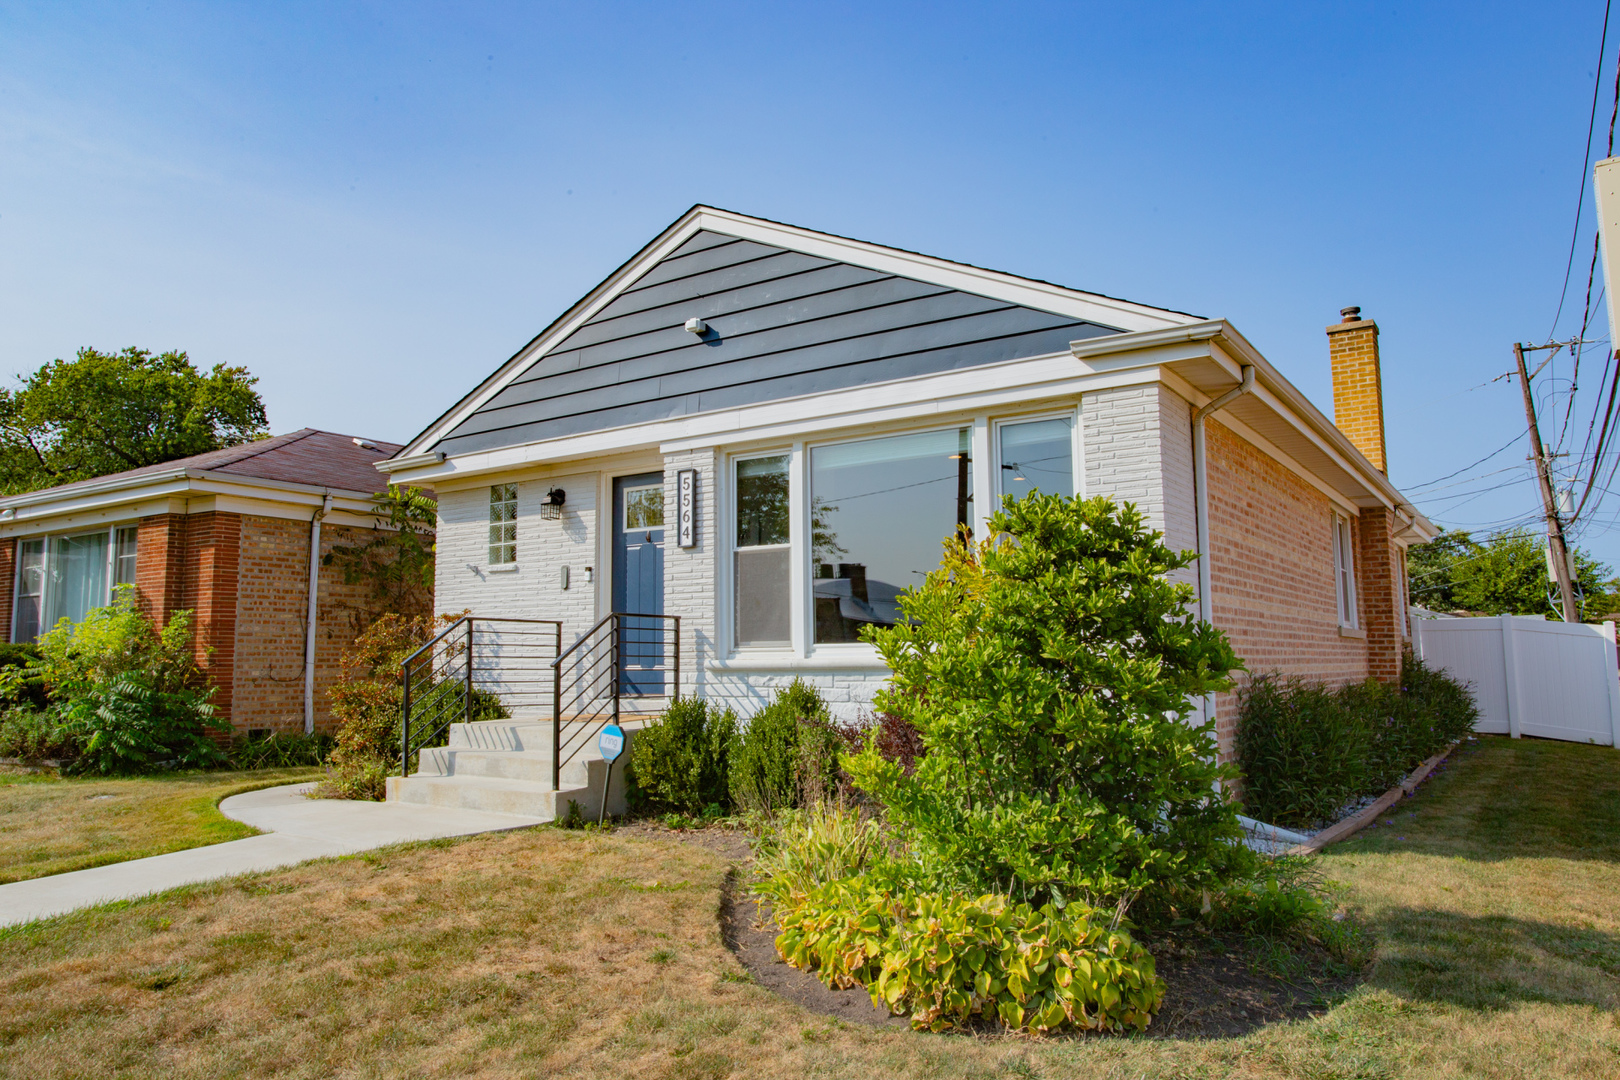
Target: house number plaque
{"type": "Point", "coordinates": [686, 508]}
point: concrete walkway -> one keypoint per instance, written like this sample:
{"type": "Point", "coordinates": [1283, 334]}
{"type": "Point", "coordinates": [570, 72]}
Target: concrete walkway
{"type": "Point", "coordinates": [296, 829]}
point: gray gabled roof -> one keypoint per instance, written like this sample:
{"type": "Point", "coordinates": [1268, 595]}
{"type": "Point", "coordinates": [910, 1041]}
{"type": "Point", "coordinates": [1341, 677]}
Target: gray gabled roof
{"type": "Point", "coordinates": [782, 323]}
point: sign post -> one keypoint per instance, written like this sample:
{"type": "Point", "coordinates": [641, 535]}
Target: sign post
{"type": "Point", "coordinates": [611, 744]}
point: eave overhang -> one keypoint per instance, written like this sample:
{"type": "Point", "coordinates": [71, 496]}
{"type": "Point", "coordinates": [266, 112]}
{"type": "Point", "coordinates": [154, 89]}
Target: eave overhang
{"type": "Point", "coordinates": [1209, 357]}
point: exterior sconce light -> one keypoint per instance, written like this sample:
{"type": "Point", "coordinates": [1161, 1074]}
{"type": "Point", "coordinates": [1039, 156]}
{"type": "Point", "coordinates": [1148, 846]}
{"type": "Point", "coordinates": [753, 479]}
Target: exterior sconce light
{"type": "Point", "coordinates": [551, 506]}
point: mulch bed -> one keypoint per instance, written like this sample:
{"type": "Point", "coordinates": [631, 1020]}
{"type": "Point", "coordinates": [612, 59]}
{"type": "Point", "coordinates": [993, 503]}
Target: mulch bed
{"type": "Point", "coordinates": [1216, 988]}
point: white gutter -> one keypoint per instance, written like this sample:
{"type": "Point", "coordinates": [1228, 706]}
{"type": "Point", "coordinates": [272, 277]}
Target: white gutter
{"type": "Point", "coordinates": [1206, 604]}
{"type": "Point", "coordinates": [1201, 486]}
{"type": "Point", "coordinates": [310, 618]}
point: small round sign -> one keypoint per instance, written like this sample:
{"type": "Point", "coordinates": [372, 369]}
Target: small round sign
{"type": "Point", "coordinates": [611, 742]}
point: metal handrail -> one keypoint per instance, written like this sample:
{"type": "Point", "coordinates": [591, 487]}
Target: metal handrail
{"type": "Point", "coordinates": [584, 686]}
{"type": "Point", "coordinates": [444, 714]}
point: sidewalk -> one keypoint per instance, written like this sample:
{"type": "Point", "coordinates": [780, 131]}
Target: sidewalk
{"type": "Point", "coordinates": [295, 829]}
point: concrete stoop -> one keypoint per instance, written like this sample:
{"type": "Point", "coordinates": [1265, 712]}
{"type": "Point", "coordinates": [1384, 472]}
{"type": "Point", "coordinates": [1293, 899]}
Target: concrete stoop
{"type": "Point", "coordinates": [504, 767]}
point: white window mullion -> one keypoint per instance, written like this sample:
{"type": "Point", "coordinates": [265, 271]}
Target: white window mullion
{"type": "Point", "coordinates": [800, 608]}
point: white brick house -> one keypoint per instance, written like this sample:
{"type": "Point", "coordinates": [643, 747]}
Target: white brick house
{"type": "Point", "coordinates": [843, 405]}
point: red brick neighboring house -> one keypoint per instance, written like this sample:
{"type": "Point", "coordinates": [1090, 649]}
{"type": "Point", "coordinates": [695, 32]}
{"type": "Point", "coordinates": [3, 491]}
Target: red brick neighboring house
{"type": "Point", "coordinates": [226, 535]}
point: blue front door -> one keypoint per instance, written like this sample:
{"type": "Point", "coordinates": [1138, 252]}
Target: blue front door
{"type": "Point", "coordinates": [638, 580]}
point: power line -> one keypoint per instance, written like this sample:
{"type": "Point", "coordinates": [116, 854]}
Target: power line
{"type": "Point", "coordinates": [1481, 461]}
{"type": "Point", "coordinates": [1586, 161]}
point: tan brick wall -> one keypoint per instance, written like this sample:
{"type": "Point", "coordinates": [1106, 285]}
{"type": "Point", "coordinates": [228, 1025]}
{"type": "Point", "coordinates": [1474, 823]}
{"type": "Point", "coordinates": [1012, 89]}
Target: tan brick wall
{"type": "Point", "coordinates": [1271, 569]}
{"type": "Point", "coordinates": [1358, 392]}
{"type": "Point", "coordinates": [271, 608]}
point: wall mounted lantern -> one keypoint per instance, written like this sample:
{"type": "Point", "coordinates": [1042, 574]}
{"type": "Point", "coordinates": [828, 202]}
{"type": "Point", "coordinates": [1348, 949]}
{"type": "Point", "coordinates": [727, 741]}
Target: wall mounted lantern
{"type": "Point", "coordinates": [551, 506]}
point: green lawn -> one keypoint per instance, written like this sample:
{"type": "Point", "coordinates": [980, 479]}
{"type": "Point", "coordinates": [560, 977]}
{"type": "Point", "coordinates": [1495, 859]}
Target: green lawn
{"type": "Point", "coordinates": [50, 825]}
{"type": "Point", "coordinates": [1495, 897]}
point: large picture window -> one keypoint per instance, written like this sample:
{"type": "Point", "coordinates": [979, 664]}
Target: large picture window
{"type": "Point", "coordinates": [62, 577]}
{"type": "Point", "coordinates": [880, 510]}
{"type": "Point", "coordinates": [1037, 455]}
{"type": "Point", "coordinates": [763, 561]}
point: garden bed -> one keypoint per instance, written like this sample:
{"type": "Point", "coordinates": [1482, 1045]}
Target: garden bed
{"type": "Point", "coordinates": [1216, 986]}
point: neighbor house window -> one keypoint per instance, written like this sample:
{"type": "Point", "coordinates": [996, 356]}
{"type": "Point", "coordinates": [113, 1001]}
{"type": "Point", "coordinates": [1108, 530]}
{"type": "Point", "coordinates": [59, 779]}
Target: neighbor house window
{"type": "Point", "coordinates": [1037, 455]}
{"type": "Point", "coordinates": [880, 512]}
{"type": "Point", "coordinates": [63, 577]}
{"type": "Point", "coordinates": [763, 561]}
{"type": "Point", "coordinates": [1344, 570]}
{"type": "Point", "coordinates": [503, 524]}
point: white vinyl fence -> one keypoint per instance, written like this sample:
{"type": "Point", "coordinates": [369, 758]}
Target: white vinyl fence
{"type": "Point", "coordinates": [1530, 676]}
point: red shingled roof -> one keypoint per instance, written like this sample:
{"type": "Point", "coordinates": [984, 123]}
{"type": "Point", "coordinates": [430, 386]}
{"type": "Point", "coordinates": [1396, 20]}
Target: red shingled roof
{"type": "Point", "coordinates": [306, 456]}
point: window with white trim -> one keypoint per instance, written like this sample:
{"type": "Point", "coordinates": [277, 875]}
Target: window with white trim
{"type": "Point", "coordinates": [762, 561]}
{"type": "Point", "coordinates": [1036, 455]}
{"type": "Point", "coordinates": [63, 577]}
{"type": "Point", "coordinates": [502, 524]}
{"type": "Point", "coordinates": [880, 512]}
{"type": "Point", "coordinates": [1344, 570]}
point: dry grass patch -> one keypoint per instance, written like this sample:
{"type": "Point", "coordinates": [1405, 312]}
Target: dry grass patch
{"type": "Point", "coordinates": [50, 825]}
{"type": "Point", "coordinates": [549, 952]}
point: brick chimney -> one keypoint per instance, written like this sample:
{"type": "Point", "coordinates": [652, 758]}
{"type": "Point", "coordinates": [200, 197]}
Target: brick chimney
{"type": "Point", "coordinates": [1358, 390]}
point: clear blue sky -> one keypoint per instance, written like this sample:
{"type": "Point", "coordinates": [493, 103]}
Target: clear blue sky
{"type": "Point", "coordinates": [372, 205]}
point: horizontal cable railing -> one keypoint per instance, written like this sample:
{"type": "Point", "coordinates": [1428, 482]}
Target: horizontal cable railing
{"type": "Point", "coordinates": [627, 657]}
{"type": "Point", "coordinates": [476, 669]}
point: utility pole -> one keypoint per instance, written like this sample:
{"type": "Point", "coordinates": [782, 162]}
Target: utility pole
{"type": "Point", "coordinates": [1549, 500]}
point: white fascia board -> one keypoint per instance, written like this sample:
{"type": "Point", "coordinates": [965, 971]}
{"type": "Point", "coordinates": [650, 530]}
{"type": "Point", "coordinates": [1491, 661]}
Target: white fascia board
{"type": "Point", "coordinates": [178, 491]}
{"type": "Point", "coordinates": [990, 386]}
{"type": "Point", "coordinates": [1042, 296]}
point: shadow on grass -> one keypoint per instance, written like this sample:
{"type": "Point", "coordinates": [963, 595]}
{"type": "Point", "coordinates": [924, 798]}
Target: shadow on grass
{"type": "Point", "coordinates": [1495, 962]}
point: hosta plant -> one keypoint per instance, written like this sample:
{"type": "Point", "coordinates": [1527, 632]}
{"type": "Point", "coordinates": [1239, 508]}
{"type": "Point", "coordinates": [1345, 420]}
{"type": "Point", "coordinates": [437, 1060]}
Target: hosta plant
{"type": "Point", "coordinates": [945, 959]}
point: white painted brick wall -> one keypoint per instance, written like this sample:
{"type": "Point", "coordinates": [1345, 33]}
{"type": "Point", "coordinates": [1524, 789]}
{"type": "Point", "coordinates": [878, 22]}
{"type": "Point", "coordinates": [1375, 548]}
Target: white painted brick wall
{"type": "Point", "coordinates": [465, 580]}
{"type": "Point", "coordinates": [691, 575]}
{"type": "Point", "coordinates": [1138, 449]}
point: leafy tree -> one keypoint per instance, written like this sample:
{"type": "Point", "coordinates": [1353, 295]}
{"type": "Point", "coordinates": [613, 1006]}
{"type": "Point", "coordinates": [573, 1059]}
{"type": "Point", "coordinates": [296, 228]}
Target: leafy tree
{"type": "Point", "coordinates": [1504, 574]}
{"type": "Point", "coordinates": [398, 559]}
{"type": "Point", "coordinates": [1050, 671]}
{"type": "Point", "coordinates": [102, 413]}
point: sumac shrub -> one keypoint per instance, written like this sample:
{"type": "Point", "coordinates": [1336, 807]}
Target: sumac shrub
{"type": "Point", "coordinates": [1049, 671]}
{"type": "Point", "coordinates": [943, 959]}
{"type": "Point", "coordinates": [133, 724]}
{"type": "Point", "coordinates": [681, 762]}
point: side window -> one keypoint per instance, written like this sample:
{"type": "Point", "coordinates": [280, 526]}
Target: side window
{"type": "Point", "coordinates": [25, 624]}
{"type": "Point", "coordinates": [763, 561]}
{"type": "Point", "coordinates": [124, 556]}
{"type": "Point", "coordinates": [1344, 571]}
{"type": "Point", "coordinates": [503, 524]}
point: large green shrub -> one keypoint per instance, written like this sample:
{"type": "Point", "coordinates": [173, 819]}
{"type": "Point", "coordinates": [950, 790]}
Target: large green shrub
{"type": "Point", "coordinates": [787, 754]}
{"type": "Point", "coordinates": [681, 762]}
{"type": "Point", "coordinates": [1307, 749]}
{"type": "Point", "coordinates": [132, 724]}
{"type": "Point", "coordinates": [124, 696]}
{"type": "Point", "coordinates": [1050, 671]}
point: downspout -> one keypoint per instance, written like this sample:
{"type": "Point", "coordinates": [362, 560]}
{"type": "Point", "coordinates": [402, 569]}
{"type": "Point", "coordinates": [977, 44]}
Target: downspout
{"type": "Point", "coordinates": [1206, 607]}
{"type": "Point", "coordinates": [309, 620]}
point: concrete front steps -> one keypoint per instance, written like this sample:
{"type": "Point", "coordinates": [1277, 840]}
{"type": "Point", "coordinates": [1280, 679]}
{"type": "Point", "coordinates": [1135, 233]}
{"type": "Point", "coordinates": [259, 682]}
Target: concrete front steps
{"type": "Point", "coordinates": [504, 767]}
